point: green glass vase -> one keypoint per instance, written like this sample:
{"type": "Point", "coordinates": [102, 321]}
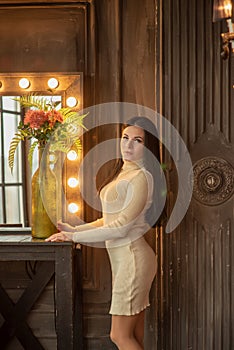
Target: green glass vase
{"type": "Point", "coordinates": [44, 200]}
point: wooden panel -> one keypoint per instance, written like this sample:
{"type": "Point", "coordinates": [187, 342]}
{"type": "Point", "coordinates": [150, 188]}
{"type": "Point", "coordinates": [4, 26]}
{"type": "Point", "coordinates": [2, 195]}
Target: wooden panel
{"type": "Point", "coordinates": [97, 274]}
{"type": "Point", "coordinates": [30, 2]}
{"type": "Point", "coordinates": [196, 262]}
{"type": "Point", "coordinates": [28, 311]}
{"type": "Point", "coordinates": [41, 319]}
{"type": "Point", "coordinates": [139, 29]}
{"type": "Point", "coordinates": [32, 49]}
{"type": "Point", "coordinates": [140, 76]}
{"type": "Point", "coordinates": [119, 64]}
{"type": "Point", "coordinates": [108, 50]}
{"type": "Point", "coordinates": [57, 37]}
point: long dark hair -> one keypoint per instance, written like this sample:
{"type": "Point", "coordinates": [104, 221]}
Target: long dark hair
{"type": "Point", "coordinates": [151, 161]}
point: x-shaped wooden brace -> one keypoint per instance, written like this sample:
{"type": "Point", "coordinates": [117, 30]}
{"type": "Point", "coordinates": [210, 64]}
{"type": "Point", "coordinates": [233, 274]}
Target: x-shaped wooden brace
{"type": "Point", "coordinates": [15, 314]}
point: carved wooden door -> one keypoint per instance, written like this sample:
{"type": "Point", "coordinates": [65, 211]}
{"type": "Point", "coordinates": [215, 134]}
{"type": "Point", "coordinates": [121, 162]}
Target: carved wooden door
{"type": "Point", "coordinates": [195, 309]}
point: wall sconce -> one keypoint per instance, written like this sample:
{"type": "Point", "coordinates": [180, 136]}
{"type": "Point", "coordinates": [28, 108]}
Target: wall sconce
{"type": "Point", "coordinates": [222, 9]}
{"type": "Point", "coordinates": [71, 186]}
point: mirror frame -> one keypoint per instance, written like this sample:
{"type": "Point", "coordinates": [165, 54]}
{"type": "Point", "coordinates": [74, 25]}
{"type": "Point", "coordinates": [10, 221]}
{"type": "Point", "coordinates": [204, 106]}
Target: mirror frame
{"type": "Point", "coordinates": [70, 84]}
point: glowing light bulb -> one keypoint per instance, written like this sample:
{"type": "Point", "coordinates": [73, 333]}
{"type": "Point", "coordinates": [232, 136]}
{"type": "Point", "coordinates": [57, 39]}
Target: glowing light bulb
{"type": "Point", "coordinates": [71, 102]}
{"type": "Point", "coordinates": [228, 7]}
{"type": "Point", "coordinates": [53, 83]}
{"type": "Point", "coordinates": [73, 208]}
{"type": "Point", "coordinates": [72, 155]}
{"type": "Point", "coordinates": [73, 182]}
{"type": "Point", "coordinates": [24, 83]}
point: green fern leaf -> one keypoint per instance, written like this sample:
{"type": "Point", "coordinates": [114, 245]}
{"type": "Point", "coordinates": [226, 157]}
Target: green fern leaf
{"type": "Point", "coordinates": [75, 119]}
{"type": "Point", "coordinates": [78, 145]}
{"type": "Point", "coordinates": [35, 101]}
{"type": "Point", "coordinates": [67, 112]}
{"type": "Point", "coordinates": [19, 136]}
{"type": "Point", "coordinates": [30, 153]}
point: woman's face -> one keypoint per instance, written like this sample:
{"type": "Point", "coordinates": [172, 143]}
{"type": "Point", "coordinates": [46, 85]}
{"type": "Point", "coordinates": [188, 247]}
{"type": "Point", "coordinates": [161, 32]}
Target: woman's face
{"type": "Point", "coordinates": [132, 143]}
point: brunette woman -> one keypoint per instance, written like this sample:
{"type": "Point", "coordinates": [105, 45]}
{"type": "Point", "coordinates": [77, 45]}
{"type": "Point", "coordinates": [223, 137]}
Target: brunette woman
{"type": "Point", "coordinates": [131, 204]}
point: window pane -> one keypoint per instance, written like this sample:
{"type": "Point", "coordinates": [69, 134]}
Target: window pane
{"type": "Point", "coordinates": [12, 190]}
{"type": "Point", "coordinates": [14, 214]}
{"type": "Point", "coordinates": [0, 147]}
{"type": "Point", "coordinates": [1, 206]}
{"type": "Point", "coordinates": [10, 123]}
{"type": "Point", "coordinates": [9, 104]}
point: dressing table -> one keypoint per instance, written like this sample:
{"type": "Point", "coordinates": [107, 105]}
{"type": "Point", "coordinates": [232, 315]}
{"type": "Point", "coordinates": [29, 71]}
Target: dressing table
{"type": "Point", "coordinates": [58, 262]}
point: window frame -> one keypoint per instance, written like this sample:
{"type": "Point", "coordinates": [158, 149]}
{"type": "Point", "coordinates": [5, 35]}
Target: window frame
{"type": "Point", "coordinates": [3, 183]}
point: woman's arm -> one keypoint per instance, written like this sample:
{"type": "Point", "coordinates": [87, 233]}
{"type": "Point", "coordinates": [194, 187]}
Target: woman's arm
{"type": "Point", "coordinates": [67, 231]}
{"type": "Point", "coordinates": [135, 203]}
{"type": "Point", "coordinates": [63, 226]}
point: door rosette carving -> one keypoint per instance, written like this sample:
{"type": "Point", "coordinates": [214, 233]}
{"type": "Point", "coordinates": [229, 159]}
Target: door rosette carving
{"type": "Point", "coordinates": [213, 180]}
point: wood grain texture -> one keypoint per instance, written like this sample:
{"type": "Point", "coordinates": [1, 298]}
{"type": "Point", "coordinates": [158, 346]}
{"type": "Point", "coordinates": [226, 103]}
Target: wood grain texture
{"type": "Point", "coordinates": [121, 60]}
{"type": "Point", "coordinates": [197, 264]}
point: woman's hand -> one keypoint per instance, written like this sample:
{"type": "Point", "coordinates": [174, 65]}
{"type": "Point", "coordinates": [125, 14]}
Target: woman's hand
{"type": "Point", "coordinates": [63, 226]}
{"type": "Point", "coordinates": [58, 237]}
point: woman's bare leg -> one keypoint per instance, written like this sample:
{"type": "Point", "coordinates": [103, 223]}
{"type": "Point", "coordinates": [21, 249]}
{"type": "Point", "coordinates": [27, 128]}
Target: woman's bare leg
{"type": "Point", "coordinates": [124, 330]}
{"type": "Point", "coordinates": [139, 329]}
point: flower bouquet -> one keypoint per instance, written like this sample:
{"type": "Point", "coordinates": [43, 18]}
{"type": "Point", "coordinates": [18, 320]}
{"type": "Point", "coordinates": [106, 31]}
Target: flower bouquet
{"type": "Point", "coordinates": [58, 130]}
{"type": "Point", "coordinates": [44, 123]}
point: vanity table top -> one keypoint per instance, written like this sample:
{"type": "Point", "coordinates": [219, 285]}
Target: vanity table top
{"type": "Point", "coordinates": [22, 236]}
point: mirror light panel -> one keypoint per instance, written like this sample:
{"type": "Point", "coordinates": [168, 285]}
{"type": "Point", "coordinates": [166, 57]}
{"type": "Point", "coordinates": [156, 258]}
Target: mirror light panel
{"type": "Point", "coordinates": [70, 88]}
{"type": "Point", "coordinates": [68, 85]}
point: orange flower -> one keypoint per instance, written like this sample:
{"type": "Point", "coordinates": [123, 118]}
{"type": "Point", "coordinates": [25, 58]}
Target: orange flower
{"type": "Point", "coordinates": [53, 116]}
{"type": "Point", "coordinates": [35, 119]}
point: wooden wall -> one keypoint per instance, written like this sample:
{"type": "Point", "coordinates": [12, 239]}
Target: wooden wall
{"type": "Point", "coordinates": [196, 302]}
{"type": "Point", "coordinates": [164, 55]}
{"type": "Point", "coordinates": [113, 44]}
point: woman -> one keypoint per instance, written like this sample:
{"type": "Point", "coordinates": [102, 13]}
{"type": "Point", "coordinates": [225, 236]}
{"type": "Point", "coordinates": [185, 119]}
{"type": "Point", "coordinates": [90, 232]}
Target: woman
{"type": "Point", "coordinates": [129, 202]}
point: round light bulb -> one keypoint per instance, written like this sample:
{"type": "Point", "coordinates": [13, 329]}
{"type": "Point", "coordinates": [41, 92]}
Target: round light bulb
{"type": "Point", "coordinates": [73, 182]}
{"type": "Point", "coordinates": [53, 83]}
{"type": "Point", "coordinates": [72, 155]}
{"type": "Point", "coordinates": [71, 102]}
{"type": "Point", "coordinates": [24, 83]}
{"type": "Point", "coordinates": [73, 208]}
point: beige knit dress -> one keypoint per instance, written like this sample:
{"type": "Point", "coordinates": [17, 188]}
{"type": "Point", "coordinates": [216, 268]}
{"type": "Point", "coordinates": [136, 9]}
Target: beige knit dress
{"type": "Point", "coordinates": [133, 262]}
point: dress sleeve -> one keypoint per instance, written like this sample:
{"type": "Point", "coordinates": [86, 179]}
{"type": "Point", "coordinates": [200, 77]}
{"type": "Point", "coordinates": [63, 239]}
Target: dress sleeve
{"type": "Point", "coordinates": [134, 204]}
{"type": "Point", "coordinates": [89, 226]}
